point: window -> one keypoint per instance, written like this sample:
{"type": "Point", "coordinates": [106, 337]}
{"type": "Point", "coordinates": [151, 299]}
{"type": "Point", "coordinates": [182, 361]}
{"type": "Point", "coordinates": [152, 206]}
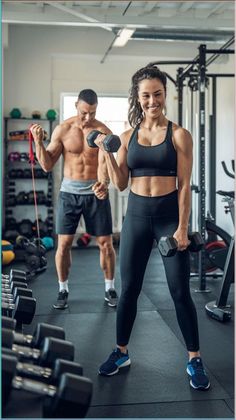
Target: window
{"type": "Point", "coordinates": [112, 111]}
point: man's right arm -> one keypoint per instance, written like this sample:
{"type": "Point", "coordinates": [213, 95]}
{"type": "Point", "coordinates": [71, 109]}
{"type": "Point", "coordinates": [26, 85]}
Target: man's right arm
{"type": "Point", "coordinates": [47, 157]}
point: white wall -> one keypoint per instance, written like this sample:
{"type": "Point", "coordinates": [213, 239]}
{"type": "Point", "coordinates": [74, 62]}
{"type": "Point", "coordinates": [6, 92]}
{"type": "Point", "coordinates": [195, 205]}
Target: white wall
{"type": "Point", "coordinates": [42, 62]}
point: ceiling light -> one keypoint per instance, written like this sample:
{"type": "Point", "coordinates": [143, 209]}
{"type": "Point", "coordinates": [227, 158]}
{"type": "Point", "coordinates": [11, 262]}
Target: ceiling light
{"type": "Point", "coordinates": [123, 36]}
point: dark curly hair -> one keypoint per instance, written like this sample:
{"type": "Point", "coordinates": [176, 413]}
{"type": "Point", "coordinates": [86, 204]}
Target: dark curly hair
{"type": "Point", "coordinates": [135, 114]}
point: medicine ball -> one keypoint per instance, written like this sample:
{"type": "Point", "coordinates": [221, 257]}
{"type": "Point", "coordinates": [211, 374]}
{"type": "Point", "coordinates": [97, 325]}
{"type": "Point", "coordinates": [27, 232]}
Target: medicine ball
{"type": "Point", "coordinates": [8, 254]}
{"type": "Point", "coordinates": [15, 113]}
{"type": "Point", "coordinates": [51, 114]}
{"type": "Point", "coordinates": [36, 115]}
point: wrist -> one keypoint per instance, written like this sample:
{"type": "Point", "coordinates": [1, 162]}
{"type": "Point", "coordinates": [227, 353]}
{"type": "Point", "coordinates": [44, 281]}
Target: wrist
{"type": "Point", "coordinates": [183, 228]}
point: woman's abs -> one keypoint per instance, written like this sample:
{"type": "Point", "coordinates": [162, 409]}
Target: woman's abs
{"type": "Point", "coordinates": [153, 186]}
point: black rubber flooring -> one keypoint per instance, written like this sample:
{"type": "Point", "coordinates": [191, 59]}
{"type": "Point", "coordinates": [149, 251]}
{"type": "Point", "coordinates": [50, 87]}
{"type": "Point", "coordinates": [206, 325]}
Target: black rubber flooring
{"type": "Point", "coordinates": [156, 385]}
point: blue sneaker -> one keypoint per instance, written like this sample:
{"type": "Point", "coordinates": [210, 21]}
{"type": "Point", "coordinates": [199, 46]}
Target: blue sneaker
{"type": "Point", "coordinates": [199, 379]}
{"type": "Point", "coordinates": [115, 361]}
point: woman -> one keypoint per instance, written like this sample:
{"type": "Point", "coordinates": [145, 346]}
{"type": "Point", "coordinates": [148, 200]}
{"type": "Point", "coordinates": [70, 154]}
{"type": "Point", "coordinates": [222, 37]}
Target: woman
{"type": "Point", "coordinates": [158, 155]}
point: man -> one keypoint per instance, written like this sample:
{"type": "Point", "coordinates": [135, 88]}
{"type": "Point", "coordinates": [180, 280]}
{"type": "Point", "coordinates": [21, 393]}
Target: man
{"type": "Point", "coordinates": [84, 190]}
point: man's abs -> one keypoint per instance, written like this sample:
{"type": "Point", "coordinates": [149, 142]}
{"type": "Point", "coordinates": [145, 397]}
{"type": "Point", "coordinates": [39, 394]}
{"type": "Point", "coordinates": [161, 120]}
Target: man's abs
{"type": "Point", "coordinates": [81, 166]}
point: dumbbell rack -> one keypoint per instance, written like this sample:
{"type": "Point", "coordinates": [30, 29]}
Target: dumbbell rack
{"type": "Point", "coordinates": [22, 176]}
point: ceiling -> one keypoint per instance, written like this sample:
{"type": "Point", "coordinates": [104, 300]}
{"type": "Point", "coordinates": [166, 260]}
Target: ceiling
{"type": "Point", "coordinates": [168, 21]}
{"type": "Point", "coordinates": [176, 20]}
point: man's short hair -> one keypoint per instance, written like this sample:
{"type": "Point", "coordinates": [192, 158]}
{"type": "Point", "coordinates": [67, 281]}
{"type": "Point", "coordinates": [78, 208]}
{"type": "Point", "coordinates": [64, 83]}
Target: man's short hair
{"type": "Point", "coordinates": [88, 96]}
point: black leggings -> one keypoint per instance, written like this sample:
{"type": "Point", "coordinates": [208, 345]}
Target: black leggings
{"type": "Point", "coordinates": [149, 218]}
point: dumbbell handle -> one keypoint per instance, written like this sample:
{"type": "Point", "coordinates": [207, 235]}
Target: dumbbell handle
{"type": "Point", "coordinates": [11, 286]}
{"type": "Point", "coordinates": [18, 273]}
{"type": "Point", "coordinates": [11, 297]}
{"type": "Point", "coordinates": [36, 370]}
{"type": "Point", "coordinates": [27, 352]}
{"type": "Point", "coordinates": [8, 283]}
{"type": "Point", "coordinates": [23, 338]}
{"type": "Point", "coordinates": [6, 305]}
{"type": "Point", "coordinates": [7, 299]}
{"type": "Point", "coordinates": [17, 291]}
{"type": "Point", "coordinates": [34, 386]}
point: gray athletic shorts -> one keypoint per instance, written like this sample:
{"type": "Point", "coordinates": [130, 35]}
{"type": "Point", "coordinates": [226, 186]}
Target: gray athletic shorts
{"type": "Point", "coordinates": [96, 213]}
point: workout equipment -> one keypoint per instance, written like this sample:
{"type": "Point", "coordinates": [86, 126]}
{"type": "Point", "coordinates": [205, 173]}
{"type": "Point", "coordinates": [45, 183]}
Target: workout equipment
{"type": "Point", "coordinates": [84, 240]}
{"type": "Point", "coordinates": [22, 310]}
{"type": "Point", "coordinates": [22, 198]}
{"type": "Point", "coordinates": [35, 251]}
{"type": "Point", "coordinates": [18, 135]}
{"type": "Point", "coordinates": [50, 349]}
{"type": "Point", "coordinates": [41, 331]}
{"type": "Point", "coordinates": [14, 156]}
{"type": "Point", "coordinates": [71, 399]}
{"type": "Point", "coordinates": [36, 115]}
{"type": "Point", "coordinates": [51, 114]}
{"type": "Point", "coordinates": [15, 113]}
{"type": "Point", "coordinates": [43, 230]}
{"type": "Point", "coordinates": [8, 323]}
{"type": "Point", "coordinates": [10, 287]}
{"type": "Point", "coordinates": [8, 254]}
{"type": "Point", "coordinates": [14, 275]}
{"type": "Point", "coordinates": [11, 222]}
{"type": "Point", "coordinates": [49, 375]}
{"type": "Point", "coordinates": [48, 242]}
{"type": "Point", "coordinates": [111, 142]}
{"type": "Point", "coordinates": [24, 157]}
{"type": "Point", "coordinates": [11, 234]}
{"type": "Point", "coordinates": [18, 291]}
{"type": "Point", "coordinates": [168, 245]}
{"type": "Point", "coordinates": [219, 309]}
{"type": "Point", "coordinates": [25, 228]}
{"type": "Point", "coordinates": [30, 135]}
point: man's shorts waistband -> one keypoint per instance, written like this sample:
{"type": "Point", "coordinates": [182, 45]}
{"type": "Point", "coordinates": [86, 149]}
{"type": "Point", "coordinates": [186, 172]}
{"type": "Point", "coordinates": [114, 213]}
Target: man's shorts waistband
{"type": "Point", "coordinates": [77, 187]}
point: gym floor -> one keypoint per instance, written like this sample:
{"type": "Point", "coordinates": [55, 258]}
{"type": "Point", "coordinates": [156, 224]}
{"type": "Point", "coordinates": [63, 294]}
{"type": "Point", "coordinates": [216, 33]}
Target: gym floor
{"type": "Point", "coordinates": [156, 385]}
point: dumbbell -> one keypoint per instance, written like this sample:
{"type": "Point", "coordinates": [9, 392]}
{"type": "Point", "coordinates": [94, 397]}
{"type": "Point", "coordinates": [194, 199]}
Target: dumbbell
{"type": "Point", "coordinates": [168, 245]}
{"type": "Point", "coordinates": [42, 373]}
{"type": "Point", "coordinates": [18, 291]}
{"type": "Point", "coordinates": [8, 323]}
{"type": "Point", "coordinates": [50, 349]}
{"type": "Point", "coordinates": [71, 399]}
{"type": "Point", "coordinates": [15, 275]}
{"type": "Point", "coordinates": [22, 310]}
{"type": "Point", "coordinates": [22, 198]}
{"type": "Point", "coordinates": [41, 331]}
{"type": "Point", "coordinates": [111, 142]}
{"type": "Point", "coordinates": [10, 287]}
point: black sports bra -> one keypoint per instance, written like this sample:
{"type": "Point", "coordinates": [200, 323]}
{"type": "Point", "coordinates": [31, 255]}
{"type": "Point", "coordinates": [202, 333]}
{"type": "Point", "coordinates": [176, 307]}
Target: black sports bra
{"type": "Point", "coordinates": [158, 160]}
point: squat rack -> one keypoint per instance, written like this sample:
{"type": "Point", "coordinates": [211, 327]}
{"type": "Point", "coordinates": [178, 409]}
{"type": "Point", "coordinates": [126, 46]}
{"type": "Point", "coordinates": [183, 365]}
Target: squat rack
{"type": "Point", "coordinates": [196, 72]}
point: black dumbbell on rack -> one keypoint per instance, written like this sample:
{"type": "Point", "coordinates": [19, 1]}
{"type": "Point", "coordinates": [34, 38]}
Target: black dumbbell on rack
{"type": "Point", "coordinates": [41, 331]}
{"type": "Point", "coordinates": [10, 287]}
{"type": "Point", "coordinates": [168, 245]}
{"type": "Point", "coordinates": [18, 291]}
{"type": "Point", "coordinates": [71, 399]}
{"type": "Point", "coordinates": [50, 349]}
{"type": "Point", "coordinates": [9, 323]}
{"type": "Point", "coordinates": [45, 374]}
{"type": "Point", "coordinates": [15, 275]}
{"type": "Point", "coordinates": [22, 310]}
